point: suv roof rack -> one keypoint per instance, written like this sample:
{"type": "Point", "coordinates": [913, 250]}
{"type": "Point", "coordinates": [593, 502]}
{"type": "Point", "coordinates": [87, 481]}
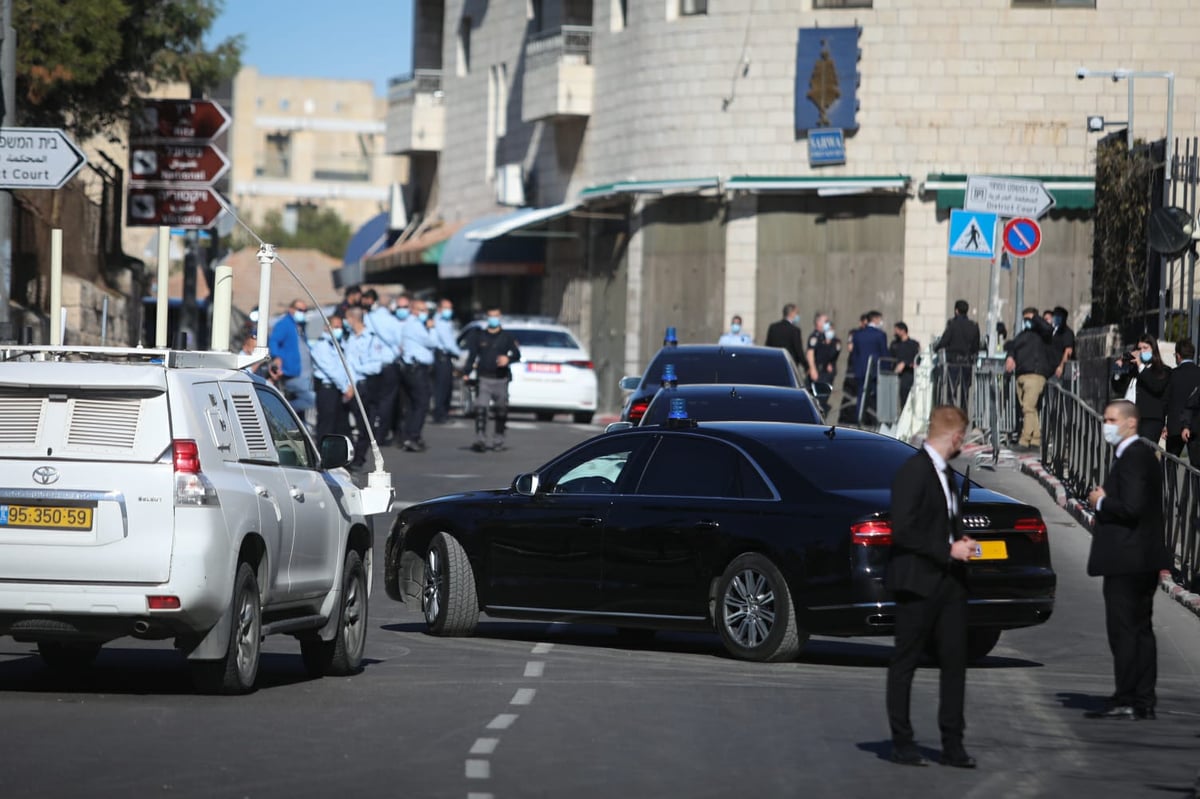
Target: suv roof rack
{"type": "Point", "coordinates": [176, 359]}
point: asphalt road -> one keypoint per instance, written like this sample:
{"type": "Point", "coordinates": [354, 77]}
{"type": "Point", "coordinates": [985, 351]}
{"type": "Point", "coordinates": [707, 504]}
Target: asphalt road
{"type": "Point", "coordinates": [537, 710]}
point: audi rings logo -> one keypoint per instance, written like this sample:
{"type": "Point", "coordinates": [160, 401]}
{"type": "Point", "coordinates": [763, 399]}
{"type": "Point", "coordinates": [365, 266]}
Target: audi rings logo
{"type": "Point", "coordinates": [45, 475]}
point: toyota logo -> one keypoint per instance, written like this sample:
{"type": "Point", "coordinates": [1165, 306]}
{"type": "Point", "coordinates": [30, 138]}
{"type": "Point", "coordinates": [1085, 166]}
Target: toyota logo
{"type": "Point", "coordinates": [45, 475]}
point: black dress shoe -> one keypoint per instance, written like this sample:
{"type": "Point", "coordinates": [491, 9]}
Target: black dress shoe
{"type": "Point", "coordinates": [1144, 714]}
{"type": "Point", "coordinates": [959, 759]}
{"type": "Point", "coordinates": [908, 756]}
{"type": "Point", "coordinates": [1117, 712]}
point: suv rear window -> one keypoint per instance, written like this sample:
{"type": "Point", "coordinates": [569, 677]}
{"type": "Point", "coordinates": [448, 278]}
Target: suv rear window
{"type": "Point", "coordinates": [729, 366]}
{"type": "Point", "coordinates": [713, 407]}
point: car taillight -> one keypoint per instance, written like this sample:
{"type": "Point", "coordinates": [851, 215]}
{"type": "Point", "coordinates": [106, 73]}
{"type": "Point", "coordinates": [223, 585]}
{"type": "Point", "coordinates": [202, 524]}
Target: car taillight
{"type": "Point", "coordinates": [581, 364]}
{"type": "Point", "coordinates": [163, 602]}
{"type": "Point", "coordinates": [186, 456]}
{"type": "Point", "coordinates": [637, 410]}
{"type": "Point", "coordinates": [872, 533]}
{"type": "Point", "coordinates": [191, 486]}
{"type": "Point", "coordinates": [1034, 528]}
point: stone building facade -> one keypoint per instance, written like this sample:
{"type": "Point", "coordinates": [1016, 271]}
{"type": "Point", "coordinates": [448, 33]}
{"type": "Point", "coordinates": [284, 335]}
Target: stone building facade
{"type": "Point", "coordinates": [659, 139]}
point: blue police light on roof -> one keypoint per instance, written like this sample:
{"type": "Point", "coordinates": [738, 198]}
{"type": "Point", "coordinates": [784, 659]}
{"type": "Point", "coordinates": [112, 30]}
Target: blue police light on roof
{"type": "Point", "coordinates": [668, 375]}
{"type": "Point", "coordinates": [678, 409]}
{"type": "Point", "coordinates": [670, 339]}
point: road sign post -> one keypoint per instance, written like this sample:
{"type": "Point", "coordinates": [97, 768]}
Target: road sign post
{"type": "Point", "coordinates": [1009, 197]}
{"type": "Point", "coordinates": [190, 207]}
{"type": "Point", "coordinates": [1022, 237]}
{"type": "Point", "coordinates": [37, 158]}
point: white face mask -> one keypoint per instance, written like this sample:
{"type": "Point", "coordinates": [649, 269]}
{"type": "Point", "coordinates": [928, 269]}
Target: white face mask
{"type": "Point", "coordinates": [1112, 434]}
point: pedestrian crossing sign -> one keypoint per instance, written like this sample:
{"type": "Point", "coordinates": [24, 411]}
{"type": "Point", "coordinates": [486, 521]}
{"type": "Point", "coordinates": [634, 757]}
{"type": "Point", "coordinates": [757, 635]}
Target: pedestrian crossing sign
{"type": "Point", "coordinates": [972, 234]}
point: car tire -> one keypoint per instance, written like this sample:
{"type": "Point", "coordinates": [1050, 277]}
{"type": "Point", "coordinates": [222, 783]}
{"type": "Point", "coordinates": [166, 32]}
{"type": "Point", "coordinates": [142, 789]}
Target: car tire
{"type": "Point", "coordinates": [584, 417]}
{"type": "Point", "coordinates": [448, 598]}
{"type": "Point", "coordinates": [236, 672]}
{"type": "Point", "coordinates": [68, 655]}
{"type": "Point", "coordinates": [544, 416]}
{"type": "Point", "coordinates": [343, 655]}
{"type": "Point", "coordinates": [980, 642]}
{"type": "Point", "coordinates": [754, 613]}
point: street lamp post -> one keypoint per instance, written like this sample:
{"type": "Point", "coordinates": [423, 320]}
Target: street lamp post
{"type": "Point", "coordinates": [1130, 75]}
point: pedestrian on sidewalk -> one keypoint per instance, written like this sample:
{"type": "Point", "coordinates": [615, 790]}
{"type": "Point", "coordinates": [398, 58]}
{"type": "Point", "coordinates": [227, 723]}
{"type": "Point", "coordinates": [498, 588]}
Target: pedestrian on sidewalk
{"type": "Point", "coordinates": [1145, 378]}
{"type": "Point", "coordinates": [928, 576]}
{"type": "Point", "coordinates": [1183, 398]}
{"type": "Point", "coordinates": [490, 352]}
{"type": "Point", "coordinates": [1128, 552]}
{"type": "Point", "coordinates": [1029, 358]}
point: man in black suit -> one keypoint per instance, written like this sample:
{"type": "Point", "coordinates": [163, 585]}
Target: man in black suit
{"type": "Point", "coordinates": [927, 574]}
{"type": "Point", "coordinates": [1185, 382]}
{"type": "Point", "coordinates": [785, 334]}
{"type": "Point", "coordinates": [1128, 552]}
{"type": "Point", "coordinates": [960, 341]}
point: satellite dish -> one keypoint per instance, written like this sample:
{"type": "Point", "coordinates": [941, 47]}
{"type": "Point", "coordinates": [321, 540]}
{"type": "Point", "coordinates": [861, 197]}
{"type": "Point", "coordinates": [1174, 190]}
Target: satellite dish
{"type": "Point", "coordinates": [1169, 231]}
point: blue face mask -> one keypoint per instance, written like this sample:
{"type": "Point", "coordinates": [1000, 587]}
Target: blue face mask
{"type": "Point", "coordinates": [300, 317]}
{"type": "Point", "coordinates": [1059, 320]}
{"type": "Point", "coordinates": [447, 314]}
{"type": "Point", "coordinates": [493, 321]}
{"type": "Point", "coordinates": [337, 334]}
{"type": "Point", "coordinates": [1028, 324]}
{"type": "Point", "coordinates": [422, 316]}
{"type": "Point", "coordinates": [1147, 357]}
{"type": "Point", "coordinates": [735, 328]}
{"type": "Point", "coordinates": [402, 313]}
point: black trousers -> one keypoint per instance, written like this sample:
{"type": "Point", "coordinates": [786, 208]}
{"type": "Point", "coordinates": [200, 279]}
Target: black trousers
{"type": "Point", "coordinates": [443, 386]}
{"type": "Point", "coordinates": [958, 383]}
{"type": "Point", "coordinates": [941, 618]}
{"type": "Point", "coordinates": [1176, 444]}
{"type": "Point", "coordinates": [387, 388]}
{"type": "Point", "coordinates": [418, 386]}
{"type": "Point", "coordinates": [332, 416]}
{"type": "Point", "coordinates": [368, 393]}
{"type": "Point", "coordinates": [1150, 428]}
{"type": "Point", "coordinates": [906, 384]}
{"type": "Point", "coordinates": [1128, 609]}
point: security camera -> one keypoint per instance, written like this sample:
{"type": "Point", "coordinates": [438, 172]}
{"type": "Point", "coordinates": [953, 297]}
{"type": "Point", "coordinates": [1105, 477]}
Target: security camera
{"type": "Point", "coordinates": [1081, 73]}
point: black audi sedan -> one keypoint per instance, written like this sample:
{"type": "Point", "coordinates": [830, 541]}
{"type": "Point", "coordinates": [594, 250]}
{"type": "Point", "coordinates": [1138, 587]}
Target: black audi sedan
{"type": "Point", "coordinates": [766, 532]}
{"type": "Point", "coordinates": [708, 363]}
{"type": "Point", "coordinates": [713, 402]}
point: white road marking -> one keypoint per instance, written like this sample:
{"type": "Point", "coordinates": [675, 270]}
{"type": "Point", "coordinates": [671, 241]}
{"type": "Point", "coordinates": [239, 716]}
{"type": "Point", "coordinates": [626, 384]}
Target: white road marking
{"type": "Point", "coordinates": [523, 696]}
{"type": "Point", "coordinates": [478, 769]}
{"type": "Point", "coordinates": [535, 668]}
{"type": "Point", "coordinates": [522, 425]}
{"type": "Point", "coordinates": [502, 722]}
{"type": "Point", "coordinates": [480, 796]}
{"type": "Point", "coordinates": [455, 476]}
{"type": "Point", "coordinates": [542, 648]}
{"type": "Point", "coordinates": [484, 746]}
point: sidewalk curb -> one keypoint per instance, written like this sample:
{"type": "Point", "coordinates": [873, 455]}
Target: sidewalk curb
{"type": "Point", "coordinates": [1031, 466]}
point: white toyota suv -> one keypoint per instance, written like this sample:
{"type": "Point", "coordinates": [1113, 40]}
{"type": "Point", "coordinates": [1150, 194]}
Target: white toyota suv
{"type": "Point", "coordinates": [167, 495]}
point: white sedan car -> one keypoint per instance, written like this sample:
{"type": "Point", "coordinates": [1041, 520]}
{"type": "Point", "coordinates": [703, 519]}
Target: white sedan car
{"type": "Point", "coordinates": [555, 373]}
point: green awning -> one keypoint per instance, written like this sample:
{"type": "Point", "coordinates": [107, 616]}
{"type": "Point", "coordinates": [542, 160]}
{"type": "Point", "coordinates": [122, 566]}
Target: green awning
{"type": "Point", "coordinates": [826, 186]}
{"type": "Point", "coordinates": [1071, 193]}
{"type": "Point", "coordinates": [681, 185]}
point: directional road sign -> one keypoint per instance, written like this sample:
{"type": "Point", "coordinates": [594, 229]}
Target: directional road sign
{"type": "Point", "coordinates": [37, 158]}
{"type": "Point", "coordinates": [191, 207]}
{"type": "Point", "coordinates": [1022, 237]}
{"type": "Point", "coordinates": [177, 163]}
{"type": "Point", "coordinates": [180, 119]}
{"type": "Point", "coordinates": [1007, 196]}
{"type": "Point", "coordinates": [972, 234]}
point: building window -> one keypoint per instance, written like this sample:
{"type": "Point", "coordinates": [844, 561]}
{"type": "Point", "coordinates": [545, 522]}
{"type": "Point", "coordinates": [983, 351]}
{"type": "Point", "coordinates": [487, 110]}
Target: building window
{"type": "Point", "coordinates": [276, 156]}
{"type": "Point", "coordinates": [688, 8]}
{"type": "Point", "coordinates": [1054, 3]}
{"type": "Point", "coordinates": [464, 46]}
{"type": "Point", "coordinates": [618, 15]}
{"type": "Point", "coordinates": [842, 3]}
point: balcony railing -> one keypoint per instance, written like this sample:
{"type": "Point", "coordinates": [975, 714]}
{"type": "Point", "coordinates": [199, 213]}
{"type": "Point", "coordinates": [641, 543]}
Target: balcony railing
{"type": "Point", "coordinates": [421, 81]}
{"type": "Point", "coordinates": [568, 43]}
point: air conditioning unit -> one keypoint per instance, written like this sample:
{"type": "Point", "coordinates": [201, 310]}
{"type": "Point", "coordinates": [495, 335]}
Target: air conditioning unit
{"type": "Point", "coordinates": [510, 185]}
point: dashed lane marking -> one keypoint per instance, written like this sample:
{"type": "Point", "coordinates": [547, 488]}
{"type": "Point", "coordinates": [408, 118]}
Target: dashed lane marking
{"type": "Point", "coordinates": [478, 769]}
{"type": "Point", "coordinates": [523, 696]}
{"type": "Point", "coordinates": [502, 722]}
{"type": "Point", "coordinates": [542, 648]}
{"type": "Point", "coordinates": [534, 668]}
{"type": "Point", "coordinates": [480, 796]}
{"type": "Point", "coordinates": [484, 746]}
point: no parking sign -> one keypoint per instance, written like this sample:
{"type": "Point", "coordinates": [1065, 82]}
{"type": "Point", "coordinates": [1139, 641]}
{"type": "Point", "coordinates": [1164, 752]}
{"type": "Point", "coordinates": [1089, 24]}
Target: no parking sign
{"type": "Point", "coordinates": [1022, 237]}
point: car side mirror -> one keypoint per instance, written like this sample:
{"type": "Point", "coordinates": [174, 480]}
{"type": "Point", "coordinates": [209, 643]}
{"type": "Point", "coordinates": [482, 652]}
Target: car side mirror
{"type": "Point", "coordinates": [822, 389]}
{"type": "Point", "coordinates": [527, 484]}
{"type": "Point", "coordinates": [336, 451]}
{"type": "Point", "coordinates": [630, 382]}
{"type": "Point", "coordinates": [615, 426]}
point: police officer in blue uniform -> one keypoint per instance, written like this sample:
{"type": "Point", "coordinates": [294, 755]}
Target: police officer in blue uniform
{"type": "Point", "coordinates": [736, 336]}
{"type": "Point", "coordinates": [334, 387]}
{"type": "Point", "coordinates": [417, 345]}
{"type": "Point", "coordinates": [382, 323]}
{"type": "Point", "coordinates": [443, 360]}
{"type": "Point", "coordinates": [367, 355]}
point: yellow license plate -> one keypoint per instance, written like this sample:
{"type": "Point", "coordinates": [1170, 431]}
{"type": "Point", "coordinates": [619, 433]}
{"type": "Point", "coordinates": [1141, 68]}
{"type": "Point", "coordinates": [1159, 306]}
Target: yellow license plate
{"type": "Point", "coordinates": [54, 517]}
{"type": "Point", "coordinates": [990, 550]}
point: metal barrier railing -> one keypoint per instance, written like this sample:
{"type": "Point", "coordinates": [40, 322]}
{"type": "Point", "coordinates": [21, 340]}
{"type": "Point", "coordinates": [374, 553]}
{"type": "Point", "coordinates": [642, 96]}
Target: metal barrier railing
{"type": "Point", "coordinates": [1074, 451]}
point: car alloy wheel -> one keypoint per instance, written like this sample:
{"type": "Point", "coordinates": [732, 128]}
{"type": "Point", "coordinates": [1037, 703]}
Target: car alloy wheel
{"type": "Point", "coordinates": [431, 592]}
{"type": "Point", "coordinates": [749, 608]}
{"type": "Point", "coordinates": [448, 598]}
{"type": "Point", "coordinates": [754, 614]}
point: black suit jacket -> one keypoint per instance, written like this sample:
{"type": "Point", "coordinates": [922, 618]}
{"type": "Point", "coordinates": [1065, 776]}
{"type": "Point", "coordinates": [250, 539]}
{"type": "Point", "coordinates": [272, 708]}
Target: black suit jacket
{"type": "Point", "coordinates": [1128, 537]}
{"type": "Point", "coordinates": [1185, 379]}
{"type": "Point", "coordinates": [921, 528]}
{"type": "Point", "coordinates": [786, 335]}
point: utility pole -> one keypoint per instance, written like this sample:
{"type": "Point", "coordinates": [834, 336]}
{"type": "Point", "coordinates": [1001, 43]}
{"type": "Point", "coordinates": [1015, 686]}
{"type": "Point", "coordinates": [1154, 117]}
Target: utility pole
{"type": "Point", "coordinates": [8, 119]}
